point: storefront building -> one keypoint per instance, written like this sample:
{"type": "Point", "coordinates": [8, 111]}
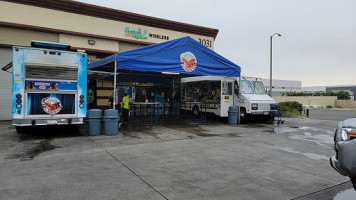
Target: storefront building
{"type": "Point", "coordinates": [98, 30]}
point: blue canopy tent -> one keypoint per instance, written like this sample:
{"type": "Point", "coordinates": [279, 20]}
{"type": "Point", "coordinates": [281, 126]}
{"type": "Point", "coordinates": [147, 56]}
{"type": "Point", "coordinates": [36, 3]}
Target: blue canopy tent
{"type": "Point", "coordinates": [181, 56]}
{"type": "Point", "coordinates": [168, 56]}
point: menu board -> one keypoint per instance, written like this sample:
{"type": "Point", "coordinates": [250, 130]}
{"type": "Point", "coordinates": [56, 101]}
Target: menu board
{"type": "Point", "coordinates": [50, 86]}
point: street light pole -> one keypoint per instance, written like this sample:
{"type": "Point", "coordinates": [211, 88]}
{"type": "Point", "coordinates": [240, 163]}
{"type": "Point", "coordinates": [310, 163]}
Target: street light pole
{"type": "Point", "coordinates": [270, 65]}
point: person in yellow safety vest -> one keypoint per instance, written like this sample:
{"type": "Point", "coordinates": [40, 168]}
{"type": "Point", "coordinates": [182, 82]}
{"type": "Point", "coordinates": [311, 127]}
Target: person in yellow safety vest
{"type": "Point", "coordinates": [126, 107]}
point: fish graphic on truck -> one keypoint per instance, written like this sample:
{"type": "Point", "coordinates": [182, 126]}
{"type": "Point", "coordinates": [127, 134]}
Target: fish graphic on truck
{"type": "Point", "coordinates": [51, 105]}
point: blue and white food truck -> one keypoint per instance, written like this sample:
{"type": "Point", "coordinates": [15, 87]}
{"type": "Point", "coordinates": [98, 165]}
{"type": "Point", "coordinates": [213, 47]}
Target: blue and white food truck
{"type": "Point", "coordinates": [219, 93]}
{"type": "Point", "coordinates": [49, 85]}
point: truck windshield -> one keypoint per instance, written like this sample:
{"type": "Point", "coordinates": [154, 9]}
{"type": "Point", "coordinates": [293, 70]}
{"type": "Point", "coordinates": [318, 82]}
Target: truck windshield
{"type": "Point", "coordinates": [246, 87]}
{"type": "Point", "coordinates": [258, 87]}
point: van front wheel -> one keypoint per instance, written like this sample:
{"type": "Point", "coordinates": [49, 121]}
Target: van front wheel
{"type": "Point", "coordinates": [243, 116]}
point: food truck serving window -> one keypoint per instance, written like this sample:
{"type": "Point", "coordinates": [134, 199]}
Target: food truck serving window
{"type": "Point", "coordinates": [53, 73]}
{"type": "Point", "coordinates": [246, 87]}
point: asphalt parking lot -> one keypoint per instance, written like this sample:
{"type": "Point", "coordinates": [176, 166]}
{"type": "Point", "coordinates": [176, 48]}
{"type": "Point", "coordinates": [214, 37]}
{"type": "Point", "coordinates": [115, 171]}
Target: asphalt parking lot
{"type": "Point", "coordinates": [184, 161]}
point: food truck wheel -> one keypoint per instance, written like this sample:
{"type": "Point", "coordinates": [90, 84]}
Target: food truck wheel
{"type": "Point", "coordinates": [75, 128]}
{"type": "Point", "coordinates": [196, 111]}
{"type": "Point", "coordinates": [243, 116]}
{"type": "Point", "coordinates": [21, 129]}
{"type": "Point", "coordinates": [271, 118]}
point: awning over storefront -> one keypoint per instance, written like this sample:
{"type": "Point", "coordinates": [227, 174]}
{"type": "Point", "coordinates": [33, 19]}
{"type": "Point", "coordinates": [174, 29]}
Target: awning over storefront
{"type": "Point", "coordinates": [183, 56]}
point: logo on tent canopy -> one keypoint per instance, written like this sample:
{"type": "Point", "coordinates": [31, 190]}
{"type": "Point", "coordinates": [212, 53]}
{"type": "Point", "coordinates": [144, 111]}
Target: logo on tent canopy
{"type": "Point", "coordinates": [188, 61]}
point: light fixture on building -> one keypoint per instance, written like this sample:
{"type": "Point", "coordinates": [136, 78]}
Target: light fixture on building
{"type": "Point", "coordinates": [91, 42]}
{"type": "Point", "coordinates": [170, 73]}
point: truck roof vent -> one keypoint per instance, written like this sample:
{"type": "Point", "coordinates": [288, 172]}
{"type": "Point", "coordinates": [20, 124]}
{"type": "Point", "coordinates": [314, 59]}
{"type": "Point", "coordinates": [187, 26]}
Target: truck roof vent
{"type": "Point", "coordinates": [50, 45]}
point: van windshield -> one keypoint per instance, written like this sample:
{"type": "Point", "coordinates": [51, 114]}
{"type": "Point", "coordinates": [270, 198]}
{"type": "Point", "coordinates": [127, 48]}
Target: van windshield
{"type": "Point", "coordinates": [258, 87]}
{"type": "Point", "coordinates": [246, 87]}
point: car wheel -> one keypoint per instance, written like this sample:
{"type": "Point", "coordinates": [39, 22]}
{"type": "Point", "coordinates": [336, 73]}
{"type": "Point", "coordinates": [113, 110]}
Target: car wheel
{"type": "Point", "coordinates": [353, 181]}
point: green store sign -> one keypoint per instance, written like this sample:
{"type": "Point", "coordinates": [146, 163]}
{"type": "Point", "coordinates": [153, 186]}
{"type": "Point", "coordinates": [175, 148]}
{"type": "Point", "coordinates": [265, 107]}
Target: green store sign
{"type": "Point", "coordinates": [138, 34]}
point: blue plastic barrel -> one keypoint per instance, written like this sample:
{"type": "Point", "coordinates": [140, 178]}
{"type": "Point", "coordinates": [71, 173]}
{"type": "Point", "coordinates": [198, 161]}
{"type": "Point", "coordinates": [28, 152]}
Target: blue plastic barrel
{"type": "Point", "coordinates": [111, 121]}
{"type": "Point", "coordinates": [233, 115]}
{"type": "Point", "coordinates": [94, 119]}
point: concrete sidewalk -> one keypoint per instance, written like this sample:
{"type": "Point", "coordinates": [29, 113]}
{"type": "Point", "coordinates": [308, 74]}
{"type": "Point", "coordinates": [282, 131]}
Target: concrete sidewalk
{"type": "Point", "coordinates": [214, 161]}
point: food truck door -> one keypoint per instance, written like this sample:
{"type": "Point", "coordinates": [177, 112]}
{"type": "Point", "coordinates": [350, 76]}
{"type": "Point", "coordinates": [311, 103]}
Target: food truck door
{"type": "Point", "coordinates": [226, 99]}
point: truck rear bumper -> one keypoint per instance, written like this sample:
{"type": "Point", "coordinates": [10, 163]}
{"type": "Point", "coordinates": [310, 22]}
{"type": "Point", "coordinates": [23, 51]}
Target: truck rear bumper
{"type": "Point", "coordinates": [49, 121]}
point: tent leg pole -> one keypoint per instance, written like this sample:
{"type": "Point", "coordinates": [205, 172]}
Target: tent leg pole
{"type": "Point", "coordinates": [114, 93]}
{"type": "Point", "coordinates": [238, 101]}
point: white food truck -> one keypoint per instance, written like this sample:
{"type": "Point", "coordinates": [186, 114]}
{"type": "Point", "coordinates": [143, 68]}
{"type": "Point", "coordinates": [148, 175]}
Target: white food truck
{"type": "Point", "coordinates": [218, 93]}
{"type": "Point", "coordinates": [49, 85]}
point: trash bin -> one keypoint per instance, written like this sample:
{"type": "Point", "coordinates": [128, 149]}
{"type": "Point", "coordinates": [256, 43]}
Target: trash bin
{"type": "Point", "coordinates": [111, 121]}
{"type": "Point", "coordinates": [94, 118]}
{"type": "Point", "coordinates": [233, 111]}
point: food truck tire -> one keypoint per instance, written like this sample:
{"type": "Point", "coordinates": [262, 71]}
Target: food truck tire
{"type": "Point", "coordinates": [195, 110]}
{"type": "Point", "coordinates": [271, 118]}
{"type": "Point", "coordinates": [75, 128]}
{"type": "Point", "coordinates": [243, 115]}
{"type": "Point", "coordinates": [21, 129]}
{"type": "Point", "coordinates": [268, 118]}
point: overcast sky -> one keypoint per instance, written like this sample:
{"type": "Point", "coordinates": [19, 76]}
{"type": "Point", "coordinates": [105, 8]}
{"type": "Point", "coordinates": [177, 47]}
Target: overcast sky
{"type": "Point", "coordinates": [317, 46]}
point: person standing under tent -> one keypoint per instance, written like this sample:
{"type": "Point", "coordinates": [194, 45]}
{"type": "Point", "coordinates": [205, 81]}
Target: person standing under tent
{"type": "Point", "coordinates": [125, 108]}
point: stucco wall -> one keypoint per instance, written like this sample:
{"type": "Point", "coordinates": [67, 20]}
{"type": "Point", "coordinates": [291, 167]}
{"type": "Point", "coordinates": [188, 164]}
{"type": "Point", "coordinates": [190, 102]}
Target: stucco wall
{"type": "Point", "coordinates": [314, 101]}
{"type": "Point", "coordinates": [13, 36]}
{"type": "Point", "coordinates": [95, 26]}
{"type": "Point", "coordinates": [345, 104]}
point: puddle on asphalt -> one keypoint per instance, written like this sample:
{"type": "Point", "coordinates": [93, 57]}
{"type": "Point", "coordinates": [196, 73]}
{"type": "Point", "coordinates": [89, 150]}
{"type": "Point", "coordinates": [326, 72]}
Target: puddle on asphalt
{"type": "Point", "coordinates": [319, 136]}
{"type": "Point", "coordinates": [252, 125]}
{"type": "Point", "coordinates": [290, 150]}
{"type": "Point", "coordinates": [49, 132]}
{"type": "Point", "coordinates": [195, 129]}
{"type": "Point", "coordinates": [234, 134]}
{"type": "Point", "coordinates": [308, 155]}
{"type": "Point", "coordinates": [322, 140]}
{"type": "Point", "coordinates": [192, 129]}
{"type": "Point", "coordinates": [151, 133]}
{"type": "Point", "coordinates": [349, 194]}
{"type": "Point", "coordinates": [43, 146]}
{"type": "Point", "coordinates": [269, 131]}
{"type": "Point", "coordinates": [131, 135]}
{"type": "Point", "coordinates": [201, 133]}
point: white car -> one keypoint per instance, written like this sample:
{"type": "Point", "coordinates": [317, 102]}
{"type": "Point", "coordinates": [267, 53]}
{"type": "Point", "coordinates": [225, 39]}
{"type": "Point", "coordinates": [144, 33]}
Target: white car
{"type": "Point", "coordinates": [345, 146]}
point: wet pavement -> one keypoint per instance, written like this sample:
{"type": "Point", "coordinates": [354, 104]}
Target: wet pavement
{"type": "Point", "coordinates": [336, 114]}
{"type": "Point", "coordinates": [174, 161]}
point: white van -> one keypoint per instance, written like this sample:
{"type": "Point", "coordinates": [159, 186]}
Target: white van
{"type": "Point", "coordinates": [218, 93]}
